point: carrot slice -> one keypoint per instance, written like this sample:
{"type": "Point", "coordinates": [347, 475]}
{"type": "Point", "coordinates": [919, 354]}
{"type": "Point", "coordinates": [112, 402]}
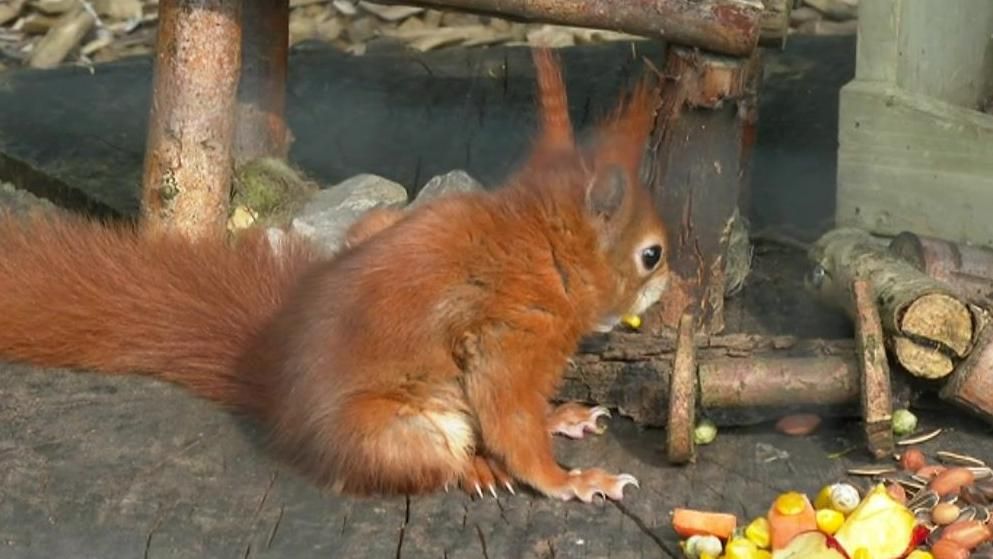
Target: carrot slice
{"type": "Point", "coordinates": [691, 522]}
{"type": "Point", "coordinates": [791, 514]}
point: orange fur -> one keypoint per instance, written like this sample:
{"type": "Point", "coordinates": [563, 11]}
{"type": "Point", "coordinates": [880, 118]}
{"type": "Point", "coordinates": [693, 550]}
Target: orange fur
{"type": "Point", "coordinates": [424, 354]}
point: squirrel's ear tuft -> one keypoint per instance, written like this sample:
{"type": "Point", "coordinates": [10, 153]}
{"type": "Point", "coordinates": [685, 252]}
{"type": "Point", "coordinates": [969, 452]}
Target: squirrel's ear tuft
{"type": "Point", "coordinates": [623, 135]}
{"type": "Point", "coordinates": [555, 129]}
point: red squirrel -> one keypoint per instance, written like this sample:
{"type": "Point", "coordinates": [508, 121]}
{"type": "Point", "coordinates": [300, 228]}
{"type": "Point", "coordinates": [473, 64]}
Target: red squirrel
{"type": "Point", "coordinates": [423, 354]}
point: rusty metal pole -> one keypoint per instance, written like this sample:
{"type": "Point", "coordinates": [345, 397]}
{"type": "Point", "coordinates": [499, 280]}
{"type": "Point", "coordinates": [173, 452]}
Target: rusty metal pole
{"type": "Point", "coordinates": [187, 175]}
{"type": "Point", "coordinates": [729, 27]}
{"type": "Point", "coordinates": [261, 129]}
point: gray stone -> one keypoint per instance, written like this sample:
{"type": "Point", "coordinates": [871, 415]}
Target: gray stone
{"type": "Point", "coordinates": [328, 215]}
{"type": "Point", "coordinates": [453, 181]}
{"type": "Point", "coordinates": [17, 201]}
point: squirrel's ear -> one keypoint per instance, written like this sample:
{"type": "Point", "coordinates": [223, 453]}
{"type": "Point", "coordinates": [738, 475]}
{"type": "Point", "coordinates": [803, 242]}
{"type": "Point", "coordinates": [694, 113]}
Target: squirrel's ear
{"type": "Point", "coordinates": [606, 191]}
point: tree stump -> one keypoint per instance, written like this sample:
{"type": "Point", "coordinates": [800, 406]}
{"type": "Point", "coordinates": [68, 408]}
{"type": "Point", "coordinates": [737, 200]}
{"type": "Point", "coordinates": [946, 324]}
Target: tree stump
{"type": "Point", "coordinates": [698, 172]}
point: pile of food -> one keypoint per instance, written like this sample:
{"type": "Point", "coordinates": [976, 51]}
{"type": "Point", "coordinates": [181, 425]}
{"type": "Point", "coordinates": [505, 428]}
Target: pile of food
{"type": "Point", "coordinates": [914, 510]}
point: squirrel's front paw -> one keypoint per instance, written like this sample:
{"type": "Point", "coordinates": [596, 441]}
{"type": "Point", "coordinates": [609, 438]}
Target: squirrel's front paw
{"type": "Point", "coordinates": [585, 484]}
{"type": "Point", "coordinates": [574, 420]}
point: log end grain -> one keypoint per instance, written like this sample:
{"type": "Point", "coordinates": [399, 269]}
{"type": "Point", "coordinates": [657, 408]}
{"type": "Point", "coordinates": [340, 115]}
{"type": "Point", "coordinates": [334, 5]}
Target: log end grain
{"type": "Point", "coordinates": [941, 318]}
{"type": "Point", "coordinates": [920, 360]}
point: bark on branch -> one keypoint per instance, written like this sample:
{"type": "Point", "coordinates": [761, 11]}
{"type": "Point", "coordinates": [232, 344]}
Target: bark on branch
{"type": "Point", "coordinates": [729, 27]}
{"type": "Point", "coordinates": [743, 379]}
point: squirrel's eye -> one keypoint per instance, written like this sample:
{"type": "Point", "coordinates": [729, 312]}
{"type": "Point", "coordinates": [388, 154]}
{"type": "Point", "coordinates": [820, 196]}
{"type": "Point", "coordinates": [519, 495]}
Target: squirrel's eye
{"type": "Point", "coordinates": [651, 256]}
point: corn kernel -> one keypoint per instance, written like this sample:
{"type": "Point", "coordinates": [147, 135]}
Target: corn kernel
{"type": "Point", "coordinates": [632, 320]}
{"type": "Point", "coordinates": [791, 503]}
{"type": "Point", "coordinates": [861, 553]}
{"type": "Point", "coordinates": [762, 554]}
{"type": "Point", "coordinates": [829, 520]}
{"type": "Point", "coordinates": [920, 554]}
{"type": "Point", "coordinates": [707, 556]}
{"type": "Point", "coordinates": [823, 498]}
{"type": "Point", "coordinates": [740, 548]}
{"type": "Point", "coordinates": [758, 532]}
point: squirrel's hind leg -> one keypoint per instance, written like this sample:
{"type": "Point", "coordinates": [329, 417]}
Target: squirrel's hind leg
{"type": "Point", "coordinates": [393, 444]}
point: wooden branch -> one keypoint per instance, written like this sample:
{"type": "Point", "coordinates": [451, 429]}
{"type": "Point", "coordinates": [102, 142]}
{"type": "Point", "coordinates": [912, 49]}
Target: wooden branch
{"type": "Point", "coordinates": [682, 396]}
{"type": "Point", "coordinates": [729, 27]}
{"type": "Point", "coordinates": [875, 390]}
{"type": "Point", "coordinates": [188, 162]}
{"type": "Point", "coordinates": [929, 326]}
{"type": "Point", "coordinates": [743, 378]}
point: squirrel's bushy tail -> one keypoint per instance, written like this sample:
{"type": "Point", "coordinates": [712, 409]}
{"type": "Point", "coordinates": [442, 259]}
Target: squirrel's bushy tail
{"type": "Point", "coordinates": [81, 294]}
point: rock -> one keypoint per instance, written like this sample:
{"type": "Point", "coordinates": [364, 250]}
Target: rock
{"type": "Point", "coordinates": [827, 27]}
{"type": "Point", "coordinates": [22, 202]}
{"type": "Point", "coordinates": [327, 216]}
{"type": "Point", "coordinates": [453, 181]}
{"type": "Point", "coordinates": [803, 14]}
{"type": "Point", "coordinates": [838, 10]}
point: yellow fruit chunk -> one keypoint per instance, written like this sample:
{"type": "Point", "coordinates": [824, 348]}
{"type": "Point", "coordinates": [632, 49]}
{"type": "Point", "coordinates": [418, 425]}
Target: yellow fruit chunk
{"type": "Point", "coordinates": [809, 545]}
{"type": "Point", "coordinates": [861, 553]}
{"type": "Point", "coordinates": [919, 554]}
{"type": "Point", "coordinates": [758, 532]}
{"type": "Point", "coordinates": [880, 525]}
{"type": "Point", "coordinates": [829, 521]}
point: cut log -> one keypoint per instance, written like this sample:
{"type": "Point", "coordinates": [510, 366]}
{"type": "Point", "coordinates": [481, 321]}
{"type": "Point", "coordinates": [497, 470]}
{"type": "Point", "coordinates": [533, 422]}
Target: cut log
{"type": "Point", "coordinates": [912, 305]}
{"type": "Point", "coordinates": [698, 173]}
{"type": "Point", "coordinates": [924, 361]}
{"type": "Point", "coordinates": [971, 386]}
{"type": "Point", "coordinates": [743, 379]}
{"type": "Point", "coordinates": [729, 27]}
{"type": "Point", "coordinates": [966, 268]}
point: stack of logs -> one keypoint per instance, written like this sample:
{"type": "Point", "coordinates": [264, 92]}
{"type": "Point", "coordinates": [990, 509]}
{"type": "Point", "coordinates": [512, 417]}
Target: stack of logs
{"type": "Point", "coordinates": [919, 304]}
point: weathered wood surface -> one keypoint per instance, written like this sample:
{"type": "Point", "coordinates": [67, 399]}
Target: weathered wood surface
{"type": "Point", "coordinates": [114, 467]}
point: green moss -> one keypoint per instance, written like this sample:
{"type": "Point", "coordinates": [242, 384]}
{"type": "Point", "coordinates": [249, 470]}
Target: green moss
{"type": "Point", "coordinates": [271, 189]}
